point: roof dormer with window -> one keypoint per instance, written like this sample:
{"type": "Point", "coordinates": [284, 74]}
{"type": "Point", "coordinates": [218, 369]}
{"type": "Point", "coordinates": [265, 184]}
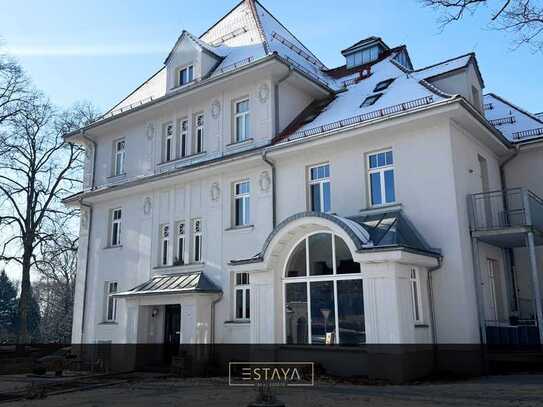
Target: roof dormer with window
{"type": "Point", "coordinates": [364, 52]}
{"type": "Point", "coordinates": [190, 60]}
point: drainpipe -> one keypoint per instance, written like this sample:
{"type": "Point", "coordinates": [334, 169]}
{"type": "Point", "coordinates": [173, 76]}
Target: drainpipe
{"type": "Point", "coordinates": [212, 335]}
{"type": "Point", "coordinates": [274, 193]}
{"type": "Point", "coordinates": [89, 207]}
{"type": "Point", "coordinates": [432, 310]}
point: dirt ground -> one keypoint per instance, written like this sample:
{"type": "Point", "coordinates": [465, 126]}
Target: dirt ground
{"type": "Point", "coordinates": [155, 391]}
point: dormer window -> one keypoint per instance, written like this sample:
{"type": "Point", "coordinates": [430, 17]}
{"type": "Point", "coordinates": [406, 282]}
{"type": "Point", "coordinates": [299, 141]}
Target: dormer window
{"type": "Point", "coordinates": [370, 100]}
{"type": "Point", "coordinates": [364, 52]}
{"type": "Point", "coordinates": [186, 75]}
{"type": "Point", "coordinates": [362, 57]}
{"type": "Point", "coordinates": [383, 85]}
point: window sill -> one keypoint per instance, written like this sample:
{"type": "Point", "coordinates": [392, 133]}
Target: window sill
{"type": "Point", "coordinates": [239, 228]}
{"type": "Point", "coordinates": [235, 322]}
{"type": "Point", "coordinates": [114, 177]}
{"type": "Point", "coordinates": [240, 143]}
{"type": "Point", "coordinates": [108, 323]}
{"type": "Point", "coordinates": [113, 247]}
{"type": "Point", "coordinates": [182, 159]}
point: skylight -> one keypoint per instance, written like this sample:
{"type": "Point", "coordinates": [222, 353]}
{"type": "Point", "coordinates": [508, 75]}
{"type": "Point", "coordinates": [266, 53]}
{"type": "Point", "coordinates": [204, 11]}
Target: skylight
{"type": "Point", "coordinates": [383, 85]}
{"type": "Point", "coordinates": [370, 100]}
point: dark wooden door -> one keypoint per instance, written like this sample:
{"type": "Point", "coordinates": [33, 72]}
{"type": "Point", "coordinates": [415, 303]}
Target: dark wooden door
{"type": "Point", "coordinates": [172, 331]}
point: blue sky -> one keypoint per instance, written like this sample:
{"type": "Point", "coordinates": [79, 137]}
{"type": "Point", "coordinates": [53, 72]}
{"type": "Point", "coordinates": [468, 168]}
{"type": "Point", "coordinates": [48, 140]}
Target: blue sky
{"type": "Point", "coordinates": [101, 50]}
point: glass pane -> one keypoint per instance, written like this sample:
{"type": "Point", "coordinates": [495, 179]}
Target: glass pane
{"type": "Point", "coordinates": [239, 212]}
{"type": "Point", "coordinates": [296, 266]}
{"type": "Point", "coordinates": [351, 312]}
{"type": "Point", "coordinates": [390, 196]}
{"type": "Point", "coordinates": [373, 161]}
{"type": "Point", "coordinates": [114, 234]}
{"type": "Point", "coordinates": [239, 304]}
{"type": "Point", "coordinates": [296, 313]}
{"type": "Point", "coordinates": [314, 173]}
{"type": "Point", "coordinates": [315, 198]}
{"type": "Point", "coordinates": [110, 308]}
{"type": "Point", "coordinates": [247, 211]}
{"type": "Point", "coordinates": [320, 254]}
{"type": "Point", "coordinates": [191, 73]}
{"type": "Point", "coordinates": [180, 251]}
{"type": "Point", "coordinates": [326, 196]}
{"type": "Point", "coordinates": [322, 312]}
{"type": "Point", "coordinates": [344, 259]}
{"type": "Point", "coordinates": [239, 128]}
{"type": "Point", "coordinates": [248, 303]}
{"type": "Point", "coordinates": [375, 186]}
{"type": "Point", "coordinates": [247, 126]}
{"type": "Point", "coordinates": [416, 312]}
{"type": "Point", "coordinates": [389, 160]}
{"type": "Point", "coordinates": [197, 243]}
{"type": "Point", "coordinates": [381, 159]}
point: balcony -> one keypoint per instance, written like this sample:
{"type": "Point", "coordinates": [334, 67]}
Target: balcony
{"type": "Point", "coordinates": [504, 218]}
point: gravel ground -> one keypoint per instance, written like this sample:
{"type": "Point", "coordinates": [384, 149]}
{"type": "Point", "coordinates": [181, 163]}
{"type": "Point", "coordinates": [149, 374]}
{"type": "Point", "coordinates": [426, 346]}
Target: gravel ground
{"type": "Point", "coordinates": [495, 391]}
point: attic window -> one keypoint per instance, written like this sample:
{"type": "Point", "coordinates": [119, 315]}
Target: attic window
{"type": "Point", "coordinates": [186, 75]}
{"type": "Point", "coordinates": [370, 100]}
{"type": "Point", "coordinates": [362, 57]}
{"type": "Point", "coordinates": [383, 85]}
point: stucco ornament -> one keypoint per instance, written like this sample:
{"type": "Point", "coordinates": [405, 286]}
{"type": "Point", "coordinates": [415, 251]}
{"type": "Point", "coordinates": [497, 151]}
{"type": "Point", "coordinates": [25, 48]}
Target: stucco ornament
{"type": "Point", "coordinates": [215, 109]}
{"type": "Point", "coordinates": [150, 131]}
{"type": "Point", "coordinates": [147, 205]}
{"type": "Point", "coordinates": [264, 181]}
{"type": "Point", "coordinates": [263, 92]}
{"type": "Point", "coordinates": [215, 191]}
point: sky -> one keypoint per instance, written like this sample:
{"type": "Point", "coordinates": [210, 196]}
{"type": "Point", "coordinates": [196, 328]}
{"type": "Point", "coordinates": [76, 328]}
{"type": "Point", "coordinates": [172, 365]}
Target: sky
{"type": "Point", "coordinates": [101, 50]}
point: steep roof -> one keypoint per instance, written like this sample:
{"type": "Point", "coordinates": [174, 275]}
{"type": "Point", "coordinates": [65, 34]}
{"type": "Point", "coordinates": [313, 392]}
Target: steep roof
{"type": "Point", "coordinates": [448, 66]}
{"type": "Point", "coordinates": [515, 123]}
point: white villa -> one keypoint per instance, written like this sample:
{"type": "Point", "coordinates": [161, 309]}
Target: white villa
{"type": "Point", "coordinates": [248, 194]}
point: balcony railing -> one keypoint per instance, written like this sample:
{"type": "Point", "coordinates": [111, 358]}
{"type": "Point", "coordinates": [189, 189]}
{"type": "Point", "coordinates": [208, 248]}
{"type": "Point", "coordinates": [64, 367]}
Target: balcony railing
{"type": "Point", "coordinates": [517, 207]}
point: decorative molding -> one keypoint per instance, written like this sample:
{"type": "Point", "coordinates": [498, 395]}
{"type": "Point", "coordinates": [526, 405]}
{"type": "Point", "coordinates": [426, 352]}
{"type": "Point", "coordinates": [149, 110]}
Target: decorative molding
{"type": "Point", "coordinates": [215, 109]}
{"type": "Point", "coordinates": [215, 191]}
{"type": "Point", "coordinates": [264, 181]}
{"type": "Point", "coordinates": [263, 92]}
{"type": "Point", "coordinates": [147, 206]}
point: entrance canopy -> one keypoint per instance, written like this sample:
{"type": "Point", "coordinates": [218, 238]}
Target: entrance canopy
{"type": "Point", "coordinates": [180, 283]}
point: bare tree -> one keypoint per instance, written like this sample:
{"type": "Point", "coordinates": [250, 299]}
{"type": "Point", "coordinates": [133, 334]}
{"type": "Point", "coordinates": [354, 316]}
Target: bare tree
{"type": "Point", "coordinates": [523, 18]}
{"type": "Point", "coordinates": [14, 88]}
{"type": "Point", "coordinates": [37, 169]}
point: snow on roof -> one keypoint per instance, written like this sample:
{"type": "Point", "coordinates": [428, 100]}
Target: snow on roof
{"type": "Point", "coordinates": [539, 115]}
{"type": "Point", "coordinates": [515, 123]}
{"type": "Point", "coordinates": [404, 88]}
{"type": "Point", "coordinates": [443, 67]}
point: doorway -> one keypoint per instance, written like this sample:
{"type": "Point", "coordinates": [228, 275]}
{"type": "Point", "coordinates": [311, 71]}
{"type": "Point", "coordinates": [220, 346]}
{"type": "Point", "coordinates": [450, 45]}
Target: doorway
{"type": "Point", "coordinates": [172, 331]}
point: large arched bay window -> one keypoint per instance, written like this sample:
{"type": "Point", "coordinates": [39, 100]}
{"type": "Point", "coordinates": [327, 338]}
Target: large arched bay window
{"type": "Point", "coordinates": [324, 303]}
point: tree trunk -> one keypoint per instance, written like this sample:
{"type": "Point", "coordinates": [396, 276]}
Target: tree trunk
{"type": "Point", "coordinates": [23, 337]}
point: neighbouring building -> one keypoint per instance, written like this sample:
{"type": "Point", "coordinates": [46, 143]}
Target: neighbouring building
{"type": "Point", "coordinates": [247, 193]}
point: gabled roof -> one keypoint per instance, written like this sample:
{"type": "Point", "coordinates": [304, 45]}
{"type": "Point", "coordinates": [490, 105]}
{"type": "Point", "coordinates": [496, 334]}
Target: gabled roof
{"type": "Point", "coordinates": [196, 41]}
{"type": "Point", "coordinates": [448, 66]}
{"type": "Point", "coordinates": [363, 43]}
{"type": "Point", "coordinates": [515, 123]}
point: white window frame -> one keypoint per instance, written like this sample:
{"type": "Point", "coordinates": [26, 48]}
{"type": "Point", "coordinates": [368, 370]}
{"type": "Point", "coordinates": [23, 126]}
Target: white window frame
{"type": "Point", "coordinates": [320, 182]}
{"type": "Point", "coordinates": [197, 241]}
{"type": "Point", "coordinates": [199, 123]}
{"type": "Point", "coordinates": [115, 222]}
{"type": "Point", "coordinates": [381, 171]}
{"type": "Point", "coordinates": [164, 245]}
{"type": "Point", "coordinates": [241, 283]}
{"type": "Point", "coordinates": [169, 147]}
{"type": "Point", "coordinates": [416, 298]}
{"type": "Point", "coordinates": [245, 199]}
{"type": "Point", "coordinates": [183, 137]}
{"type": "Point", "coordinates": [110, 288]}
{"type": "Point", "coordinates": [180, 247]}
{"type": "Point", "coordinates": [245, 118]}
{"type": "Point", "coordinates": [119, 157]}
{"type": "Point", "coordinates": [189, 69]}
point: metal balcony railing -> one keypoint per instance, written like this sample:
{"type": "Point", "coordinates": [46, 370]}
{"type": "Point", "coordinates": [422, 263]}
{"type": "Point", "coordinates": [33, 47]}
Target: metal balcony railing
{"type": "Point", "coordinates": [505, 209]}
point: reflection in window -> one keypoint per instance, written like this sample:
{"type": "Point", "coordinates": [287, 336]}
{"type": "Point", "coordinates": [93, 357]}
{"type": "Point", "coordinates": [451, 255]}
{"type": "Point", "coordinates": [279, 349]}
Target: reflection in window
{"type": "Point", "coordinates": [296, 313]}
{"type": "Point", "coordinates": [335, 289]}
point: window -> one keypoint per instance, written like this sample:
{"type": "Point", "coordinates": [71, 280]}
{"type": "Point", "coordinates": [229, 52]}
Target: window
{"type": "Point", "coordinates": [370, 100]}
{"type": "Point", "coordinates": [383, 85]}
{"type": "Point", "coordinates": [199, 130]}
{"type": "Point", "coordinates": [168, 143]}
{"type": "Point", "coordinates": [415, 295]}
{"type": "Point", "coordinates": [164, 244]}
{"type": "Point", "coordinates": [241, 120]}
{"type": "Point", "coordinates": [183, 137]}
{"type": "Point", "coordinates": [180, 249]}
{"type": "Point", "coordinates": [242, 203]}
{"type": "Point", "coordinates": [119, 158]}
{"type": "Point", "coordinates": [324, 301]}
{"type": "Point", "coordinates": [319, 188]}
{"type": "Point", "coordinates": [362, 57]}
{"type": "Point", "coordinates": [116, 220]}
{"type": "Point", "coordinates": [111, 302]}
{"type": "Point", "coordinates": [197, 238]}
{"type": "Point", "coordinates": [186, 75]}
{"type": "Point", "coordinates": [381, 178]}
{"type": "Point", "coordinates": [242, 294]}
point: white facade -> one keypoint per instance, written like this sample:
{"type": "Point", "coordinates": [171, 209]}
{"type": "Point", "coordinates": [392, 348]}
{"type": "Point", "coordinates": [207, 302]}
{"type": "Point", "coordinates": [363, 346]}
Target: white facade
{"type": "Point", "coordinates": [430, 121]}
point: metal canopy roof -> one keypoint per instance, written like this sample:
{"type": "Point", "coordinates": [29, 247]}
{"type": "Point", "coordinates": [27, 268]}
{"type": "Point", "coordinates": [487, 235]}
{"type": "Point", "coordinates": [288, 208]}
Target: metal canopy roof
{"type": "Point", "coordinates": [181, 283]}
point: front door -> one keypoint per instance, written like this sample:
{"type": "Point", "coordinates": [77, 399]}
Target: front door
{"type": "Point", "coordinates": [172, 331]}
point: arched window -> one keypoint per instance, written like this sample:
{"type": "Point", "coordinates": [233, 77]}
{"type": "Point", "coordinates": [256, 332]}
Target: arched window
{"type": "Point", "coordinates": [324, 303]}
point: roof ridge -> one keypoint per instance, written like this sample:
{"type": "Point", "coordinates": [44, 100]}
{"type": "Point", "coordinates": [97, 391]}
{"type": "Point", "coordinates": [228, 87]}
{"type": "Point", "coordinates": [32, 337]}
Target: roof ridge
{"type": "Point", "coordinates": [263, 37]}
{"type": "Point", "coordinates": [471, 54]}
{"type": "Point", "coordinates": [531, 115]}
{"type": "Point", "coordinates": [222, 18]}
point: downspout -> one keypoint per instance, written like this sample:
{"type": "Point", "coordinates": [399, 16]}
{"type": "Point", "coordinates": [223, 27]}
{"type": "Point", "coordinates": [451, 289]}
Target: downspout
{"type": "Point", "coordinates": [432, 311]}
{"type": "Point", "coordinates": [212, 335]}
{"type": "Point", "coordinates": [89, 207]}
{"type": "Point", "coordinates": [274, 194]}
